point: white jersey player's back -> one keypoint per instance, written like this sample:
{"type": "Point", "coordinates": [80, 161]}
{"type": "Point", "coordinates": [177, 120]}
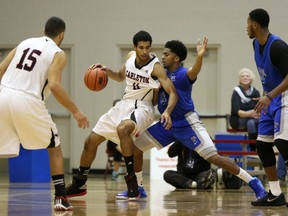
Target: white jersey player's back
{"type": "Point", "coordinates": [28, 71]}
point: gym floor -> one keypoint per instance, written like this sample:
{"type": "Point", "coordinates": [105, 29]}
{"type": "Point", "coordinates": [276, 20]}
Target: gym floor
{"type": "Point", "coordinates": [34, 199]}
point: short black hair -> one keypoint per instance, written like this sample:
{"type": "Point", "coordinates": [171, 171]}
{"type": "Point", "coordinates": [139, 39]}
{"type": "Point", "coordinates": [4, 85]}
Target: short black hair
{"type": "Point", "coordinates": [141, 36]}
{"type": "Point", "coordinates": [54, 26]}
{"type": "Point", "coordinates": [260, 16]}
{"type": "Point", "coordinates": [178, 48]}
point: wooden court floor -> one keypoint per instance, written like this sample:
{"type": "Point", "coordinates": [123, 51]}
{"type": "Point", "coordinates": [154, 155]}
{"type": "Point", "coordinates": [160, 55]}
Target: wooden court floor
{"type": "Point", "coordinates": [36, 199]}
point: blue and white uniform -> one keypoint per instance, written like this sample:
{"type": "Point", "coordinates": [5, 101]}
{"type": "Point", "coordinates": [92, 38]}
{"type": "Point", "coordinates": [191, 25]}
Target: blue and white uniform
{"type": "Point", "coordinates": [272, 123]}
{"type": "Point", "coordinates": [186, 125]}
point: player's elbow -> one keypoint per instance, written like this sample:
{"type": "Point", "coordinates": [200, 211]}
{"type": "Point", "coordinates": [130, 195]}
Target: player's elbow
{"type": "Point", "coordinates": [119, 78]}
{"type": "Point", "coordinates": [54, 87]}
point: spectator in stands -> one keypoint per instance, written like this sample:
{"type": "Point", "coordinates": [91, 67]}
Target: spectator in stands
{"type": "Point", "coordinates": [192, 170]}
{"type": "Point", "coordinates": [243, 115]}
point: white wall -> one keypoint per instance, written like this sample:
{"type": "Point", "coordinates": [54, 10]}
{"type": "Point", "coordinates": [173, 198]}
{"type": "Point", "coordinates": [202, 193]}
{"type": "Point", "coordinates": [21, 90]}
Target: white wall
{"type": "Point", "coordinates": [96, 29]}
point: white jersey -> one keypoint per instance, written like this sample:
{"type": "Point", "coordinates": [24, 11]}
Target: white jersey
{"type": "Point", "coordinates": [28, 71]}
{"type": "Point", "coordinates": [139, 81]}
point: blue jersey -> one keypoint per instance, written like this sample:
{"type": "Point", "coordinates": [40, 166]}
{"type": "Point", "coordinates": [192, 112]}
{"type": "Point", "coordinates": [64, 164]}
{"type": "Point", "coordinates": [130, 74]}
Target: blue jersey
{"type": "Point", "coordinates": [187, 128]}
{"type": "Point", "coordinates": [183, 87]}
{"type": "Point", "coordinates": [272, 120]}
{"type": "Point", "coordinates": [270, 76]}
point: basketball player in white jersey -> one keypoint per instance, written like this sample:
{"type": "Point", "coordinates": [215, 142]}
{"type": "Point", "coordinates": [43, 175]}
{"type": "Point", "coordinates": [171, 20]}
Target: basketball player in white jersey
{"type": "Point", "coordinates": [28, 74]}
{"type": "Point", "coordinates": [132, 115]}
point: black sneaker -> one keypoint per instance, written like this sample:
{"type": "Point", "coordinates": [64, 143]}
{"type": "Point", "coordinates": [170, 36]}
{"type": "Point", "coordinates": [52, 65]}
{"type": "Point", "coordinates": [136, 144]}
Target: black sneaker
{"type": "Point", "coordinates": [132, 185]}
{"type": "Point", "coordinates": [77, 188]}
{"type": "Point", "coordinates": [62, 204]}
{"type": "Point", "coordinates": [270, 200]}
{"type": "Point", "coordinates": [205, 179]}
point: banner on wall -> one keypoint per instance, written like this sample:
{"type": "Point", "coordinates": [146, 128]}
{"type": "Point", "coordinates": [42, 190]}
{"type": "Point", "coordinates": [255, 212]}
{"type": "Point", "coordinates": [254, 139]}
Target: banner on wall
{"type": "Point", "coordinates": [160, 162]}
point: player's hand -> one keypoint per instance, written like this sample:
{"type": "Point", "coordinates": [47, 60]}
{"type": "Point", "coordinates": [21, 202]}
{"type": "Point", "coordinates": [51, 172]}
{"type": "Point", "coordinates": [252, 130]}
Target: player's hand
{"type": "Point", "coordinates": [81, 119]}
{"type": "Point", "coordinates": [262, 104]}
{"type": "Point", "coordinates": [201, 47]}
{"type": "Point", "coordinates": [166, 120]}
{"type": "Point", "coordinates": [97, 65]}
{"type": "Point", "coordinates": [253, 114]}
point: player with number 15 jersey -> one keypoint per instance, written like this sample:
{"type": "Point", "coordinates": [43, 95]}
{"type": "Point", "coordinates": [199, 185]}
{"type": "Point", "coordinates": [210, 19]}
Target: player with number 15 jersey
{"type": "Point", "coordinates": [27, 75]}
{"type": "Point", "coordinates": [28, 70]}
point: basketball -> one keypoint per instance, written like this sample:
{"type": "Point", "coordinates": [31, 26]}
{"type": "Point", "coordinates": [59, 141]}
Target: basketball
{"type": "Point", "coordinates": [95, 79]}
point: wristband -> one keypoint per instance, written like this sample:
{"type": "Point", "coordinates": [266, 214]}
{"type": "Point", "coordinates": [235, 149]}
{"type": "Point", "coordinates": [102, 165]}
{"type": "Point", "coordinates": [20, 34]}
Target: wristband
{"type": "Point", "coordinates": [268, 97]}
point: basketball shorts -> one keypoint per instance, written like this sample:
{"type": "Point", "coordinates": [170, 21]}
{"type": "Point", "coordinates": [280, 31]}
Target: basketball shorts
{"type": "Point", "coordinates": [24, 119]}
{"type": "Point", "coordinates": [140, 112]}
{"type": "Point", "coordinates": [273, 123]}
{"type": "Point", "coordinates": [189, 131]}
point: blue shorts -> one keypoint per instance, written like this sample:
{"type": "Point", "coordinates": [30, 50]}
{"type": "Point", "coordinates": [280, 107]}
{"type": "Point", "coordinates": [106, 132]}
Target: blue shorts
{"type": "Point", "coordinates": [273, 123]}
{"type": "Point", "coordinates": [189, 131]}
{"type": "Point", "coordinates": [180, 130]}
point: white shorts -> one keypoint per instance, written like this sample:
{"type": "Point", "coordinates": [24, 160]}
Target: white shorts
{"type": "Point", "coordinates": [141, 112]}
{"type": "Point", "coordinates": [24, 119]}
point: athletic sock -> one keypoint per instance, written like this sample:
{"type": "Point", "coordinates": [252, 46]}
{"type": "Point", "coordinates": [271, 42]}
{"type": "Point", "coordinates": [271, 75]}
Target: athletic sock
{"type": "Point", "coordinates": [275, 188]}
{"type": "Point", "coordinates": [191, 184]}
{"type": "Point", "coordinates": [84, 171]}
{"type": "Point", "coordinates": [81, 177]}
{"type": "Point", "coordinates": [59, 184]}
{"type": "Point", "coordinates": [245, 176]}
{"type": "Point", "coordinates": [139, 178]}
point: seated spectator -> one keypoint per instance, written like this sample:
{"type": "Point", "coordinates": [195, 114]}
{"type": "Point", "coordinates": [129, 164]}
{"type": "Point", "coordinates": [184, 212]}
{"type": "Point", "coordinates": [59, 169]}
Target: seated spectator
{"type": "Point", "coordinates": [242, 105]}
{"type": "Point", "coordinates": [192, 170]}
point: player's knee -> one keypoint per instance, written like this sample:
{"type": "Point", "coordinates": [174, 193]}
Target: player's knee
{"type": "Point", "coordinates": [266, 153]}
{"type": "Point", "coordinates": [55, 151]}
{"type": "Point", "coordinates": [91, 142]}
{"type": "Point", "coordinates": [121, 129]}
{"type": "Point", "coordinates": [282, 146]}
{"type": "Point", "coordinates": [167, 175]}
{"type": "Point", "coordinates": [251, 126]}
{"type": "Point", "coordinates": [214, 159]}
{"type": "Point", "coordinates": [125, 128]}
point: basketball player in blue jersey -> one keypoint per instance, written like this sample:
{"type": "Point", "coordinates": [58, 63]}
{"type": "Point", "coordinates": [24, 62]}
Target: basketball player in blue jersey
{"type": "Point", "coordinates": [133, 114]}
{"type": "Point", "coordinates": [271, 57]}
{"type": "Point", "coordinates": [28, 74]}
{"type": "Point", "coordinates": [187, 127]}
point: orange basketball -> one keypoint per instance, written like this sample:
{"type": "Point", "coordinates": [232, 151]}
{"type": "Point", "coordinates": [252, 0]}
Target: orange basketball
{"type": "Point", "coordinates": [95, 79]}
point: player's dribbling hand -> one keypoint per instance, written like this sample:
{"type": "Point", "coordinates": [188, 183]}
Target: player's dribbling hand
{"type": "Point", "coordinates": [166, 120]}
{"type": "Point", "coordinates": [94, 66]}
{"type": "Point", "coordinates": [98, 65]}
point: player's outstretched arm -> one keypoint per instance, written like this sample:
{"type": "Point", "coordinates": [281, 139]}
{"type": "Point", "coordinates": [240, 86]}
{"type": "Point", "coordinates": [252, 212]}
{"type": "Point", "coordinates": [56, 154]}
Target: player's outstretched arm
{"type": "Point", "coordinates": [196, 68]}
